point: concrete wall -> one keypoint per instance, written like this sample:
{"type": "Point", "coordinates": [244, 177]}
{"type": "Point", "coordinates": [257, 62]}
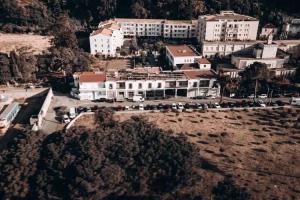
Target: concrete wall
{"type": "Point", "coordinates": [44, 108]}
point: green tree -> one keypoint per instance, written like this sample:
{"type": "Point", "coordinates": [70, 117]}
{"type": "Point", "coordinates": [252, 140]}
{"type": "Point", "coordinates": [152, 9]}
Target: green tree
{"type": "Point", "coordinates": [224, 81]}
{"type": "Point", "coordinates": [255, 73]}
{"type": "Point", "coordinates": [227, 190]}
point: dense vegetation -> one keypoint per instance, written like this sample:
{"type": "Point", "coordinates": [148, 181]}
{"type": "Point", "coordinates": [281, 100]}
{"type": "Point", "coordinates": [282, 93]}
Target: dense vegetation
{"type": "Point", "coordinates": [39, 15]}
{"type": "Point", "coordinates": [115, 161]}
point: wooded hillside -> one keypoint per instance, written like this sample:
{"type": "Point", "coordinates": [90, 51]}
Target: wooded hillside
{"type": "Point", "coordinates": [39, 15]}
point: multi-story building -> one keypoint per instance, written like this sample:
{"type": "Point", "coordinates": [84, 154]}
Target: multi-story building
{"type": "Point", "coordinates": [224, 48]}
{"type": "Point", "coordinates": [227, 26]}
{"type": "Point", "coordinates": [107, 39]}
{"type": "Point", "coordinates": [267, 53]}
{"type": "Point", "coordinates": [158, 28]}
{"type": "Point", "coordinates": [147, 82]}
{"type": "Point", "coordinates": [181, 54]}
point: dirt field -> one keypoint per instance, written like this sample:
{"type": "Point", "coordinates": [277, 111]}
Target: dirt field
{"type": "Point", "coordinates": [37, 43]}
{"type": "Point", "coordinates": [260, 149]}
{"type": "Point", "coordinates": [112, 65]}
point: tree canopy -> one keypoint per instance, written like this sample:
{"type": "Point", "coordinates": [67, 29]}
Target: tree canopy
{"type": "Point", "coordinates": [132, 158]}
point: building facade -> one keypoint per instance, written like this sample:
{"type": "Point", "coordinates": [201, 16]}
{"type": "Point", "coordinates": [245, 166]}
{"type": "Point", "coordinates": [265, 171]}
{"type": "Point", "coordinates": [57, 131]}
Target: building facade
{"type": "Point", "coordinates": [267, 53]}
{"type": "Point", "coordinates": [126, 85]}
{"type": "Point", "coordinates": [227, 26]}
{"type": "Point", "coordinates": [106, 40]}
{"type": "Point", "coordinates": [183, 29]}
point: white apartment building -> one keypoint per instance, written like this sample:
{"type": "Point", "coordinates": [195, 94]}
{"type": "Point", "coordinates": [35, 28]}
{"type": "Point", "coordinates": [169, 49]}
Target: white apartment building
{"type": "Point", "coordinates": [158, 28]}
{"type": "Point", "coordinates": [224, 48]}
{"type": "Point", "coordinates": [106, 40]}
{"type": "Point", "coordinates": [227, 26]}
{"type": "Point", "coordinates": [180, 55]}
{"type": "Point", "coordinates": [147, 82]}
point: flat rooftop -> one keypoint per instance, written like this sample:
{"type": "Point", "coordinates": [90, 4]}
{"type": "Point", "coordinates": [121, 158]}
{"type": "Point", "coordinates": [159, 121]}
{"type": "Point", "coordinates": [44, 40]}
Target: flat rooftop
{"type": "Point", "coordinates": [154, 21]}
{"type": "Point", "coordinates": [181, 51]}
{"type": "Point", "coordinates": [229, 15]}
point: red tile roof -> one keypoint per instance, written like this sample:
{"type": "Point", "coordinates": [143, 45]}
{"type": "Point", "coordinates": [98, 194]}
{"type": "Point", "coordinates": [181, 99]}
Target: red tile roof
{"type": "Point", "coordinates": [203, 61]}
{"type": "Point", "coordinates": [181, 50]}
{"type": "Point", "coordinates": [91, 77]}
{"type": "Point", "coordinates": [195, 74]}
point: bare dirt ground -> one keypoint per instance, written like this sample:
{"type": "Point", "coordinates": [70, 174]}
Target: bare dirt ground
{"type": "Point", "coordinates": [36, 43]}
{"type": "Point", "coordinates": [112, 65]}
{"type": "Point", "coordinates": [260, 149]}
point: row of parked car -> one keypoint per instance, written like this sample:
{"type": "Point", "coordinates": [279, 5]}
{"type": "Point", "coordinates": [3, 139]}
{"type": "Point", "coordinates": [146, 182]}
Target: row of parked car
{"type": "Point", "coordinates": [203, 106]}
{"type": "Point", "coordinates": [174, 106]}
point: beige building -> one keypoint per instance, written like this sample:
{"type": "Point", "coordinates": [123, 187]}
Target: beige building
{"type": "Point", "coordinates": [106, 40]}
{"type": "Point", "coordinates": [227, 26]}
{"type": "Point", "coordinates": [158, 27]}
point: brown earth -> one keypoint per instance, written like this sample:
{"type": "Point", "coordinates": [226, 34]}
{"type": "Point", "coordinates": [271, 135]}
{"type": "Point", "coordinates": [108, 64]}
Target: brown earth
{"type": "Point", "coordinates": [260, 149]}
{"type": "Point", "coordinates": [36, 43]}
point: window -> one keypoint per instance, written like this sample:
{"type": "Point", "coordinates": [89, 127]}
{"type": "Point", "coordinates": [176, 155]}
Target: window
{"type": "Point", "coordinates": [140, 86]}
{"type": "Point", "coordinates": [159, 85]}
{"type": "Point", "coordinates": [130, 85]}
{"type": "Point", "coordinates": [204, 83]}
{"type": "Point", "coordinates": [149, 85]}
{"type": "Point", "coordinates": [110, 86]}
{"type": "Point", "coordinates": [195, 84]}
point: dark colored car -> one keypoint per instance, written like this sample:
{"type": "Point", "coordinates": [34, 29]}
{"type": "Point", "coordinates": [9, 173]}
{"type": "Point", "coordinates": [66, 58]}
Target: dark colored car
{"type": "Point", "coordinates": [160, 106]}
{"type": "Point", "coordinates": [187, 106]}
{"type": "Point", "coordinates": [280, 103]}
{"type": "Point", "coordinates": [99, 100]}
{"type": "Point", "coordinates": [224, 105]}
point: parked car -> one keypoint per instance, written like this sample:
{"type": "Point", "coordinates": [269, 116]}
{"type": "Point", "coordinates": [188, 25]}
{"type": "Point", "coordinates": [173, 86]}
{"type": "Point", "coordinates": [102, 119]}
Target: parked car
{"type": "Point", "coordinates": [261, 104]}
{"type": "Point", "coordinates": [224, 105]}
{"type": "Point", "coordinates": [205, 106]}
{"type": "Point", "coordinates": [141, 107]}
{"type": "Point", "coordinates": [262, 96]}
{"type": "Point", "coordinates": [80, 109]}
{"type": "Point", "coordinates": [127, 108]}
{"type": "Point", "coordinates": [72, 113]}
{"type": "Point", "coordinates": [180, 106]}
{"type": "Point", "coordinates": [295, 101]}
{"type": "Point", "coordinates": [87, 109]}
{"type": "Point", "coordinates": [187, 106]}
{"type": "Point", "coordinates": [252, 96]}
{"type": "Point", "coordinates": [279, 103]}
{"type": "Point", "coordinates": [174, 107]}
{"type": "Point", "coordinates": [160, 106]}
{"type": "Point", "coordinates": [99, 100]}
{"type": "Point", "coordinates": [66, 119]}
{"type": "Point", "coordinates": [138, 99]}
{"type": "Point", "coordinates": [217, 105]}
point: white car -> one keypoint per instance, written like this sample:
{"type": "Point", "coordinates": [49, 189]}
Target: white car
{"type": "Point", "coordinates": [217, 105]}
{"type": "Point", "coordinates": [180, 106]}
{"type": "Point", "coordinates": [72, 113]}
{"type": "Point", "coordinates": [127, 108]}
{"type": "Point", "coordinates": [66, 119]}
{"type": "Point", "coordinates": [174, 107]}
{"type": "Point", "coordinates": [262, 104]}
{"type": "Point", "coordinates": [141, 107]}
{"type": "Point", "coordinates": [251, 96]}
{"type": "Point", "coordinates": [263, 96]}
